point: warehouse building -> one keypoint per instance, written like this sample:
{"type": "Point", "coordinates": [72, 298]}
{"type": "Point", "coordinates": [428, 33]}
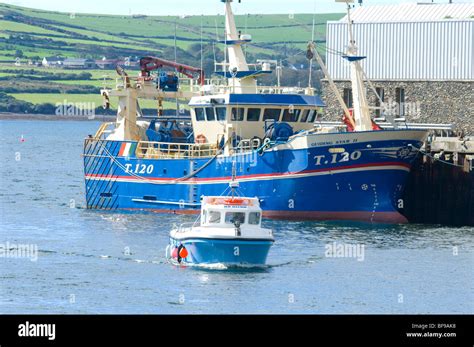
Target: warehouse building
{"type": "Point", "coordinates": [420, 59]}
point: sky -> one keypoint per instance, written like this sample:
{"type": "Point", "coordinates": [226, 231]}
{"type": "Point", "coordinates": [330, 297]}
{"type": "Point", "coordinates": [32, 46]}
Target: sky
{"type": "Point", "coordinates": [195, 7]}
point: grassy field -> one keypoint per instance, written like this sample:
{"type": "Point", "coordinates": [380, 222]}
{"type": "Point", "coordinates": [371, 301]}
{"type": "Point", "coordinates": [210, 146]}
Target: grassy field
{"type": "Point", "coordinates": [132, 31]}
{"type": "Point", "coordinates": [29, 33]}
{"type": "Point", "coordinates": [95, 100]}
{"type": "Point", "coordinates": [96, 73]}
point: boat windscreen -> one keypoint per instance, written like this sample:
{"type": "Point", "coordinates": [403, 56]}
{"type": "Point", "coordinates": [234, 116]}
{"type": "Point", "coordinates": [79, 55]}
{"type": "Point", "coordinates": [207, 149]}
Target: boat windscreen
{"type": "Point", "coordinates": [214, 217]}
{"type": "Point", "coordinates": [234, 217]}
{"type": "Point", "coordinates": [221, 113]}
{"type": "Point", "coordinates": [254, 218]}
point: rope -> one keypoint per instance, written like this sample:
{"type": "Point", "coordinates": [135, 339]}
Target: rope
{"type": "Point", "coordinates": [432, 157]}
{"type": "Point", "coordinates": [120, 165]}
{"type": "Point", "coordinates": [194, 173]}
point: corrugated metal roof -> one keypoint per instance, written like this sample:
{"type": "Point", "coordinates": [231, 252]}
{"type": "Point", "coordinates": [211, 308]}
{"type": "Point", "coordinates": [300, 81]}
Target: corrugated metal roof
{"type": "Point", "coordinates": [411, 12]}
{"type": "Point", "coordinates": [425, 50]}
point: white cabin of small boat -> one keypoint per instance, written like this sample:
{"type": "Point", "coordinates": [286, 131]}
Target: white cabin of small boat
{"type": "Point", "coordinates": [246, 116]}
{"type": "Point", "coordinates": [228, 211]}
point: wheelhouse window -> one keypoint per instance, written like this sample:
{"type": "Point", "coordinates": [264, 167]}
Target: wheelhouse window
{"type": "Point", "coordinates": [221, 113]}
{"type": "Point", "coordinates": [271, 113]}
{"type": "Point", "coordinates": [254, 218]}
{"type": "Point", "coordinates": [304, 116]}
{"type": "Point", "coordinates": [210, 114]}
{"type": "Point", "coordinates": [291, 115]}
{"type": "Point", "coordinates": [253, 114]}
{"type": "Point", "coordinates": [312, 116]}
{"type": "Point", "coordinates": [237, 114]}
{"type": "Point", "coordinates": [199, 114]}
{"type": "Point", "coordinates": [235, 218]}
{"type": "Point", "coordinates": [214, 217]}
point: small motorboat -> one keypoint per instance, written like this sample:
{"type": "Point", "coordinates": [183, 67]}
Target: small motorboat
{"type": "Point", "coordinates": [228, 231]}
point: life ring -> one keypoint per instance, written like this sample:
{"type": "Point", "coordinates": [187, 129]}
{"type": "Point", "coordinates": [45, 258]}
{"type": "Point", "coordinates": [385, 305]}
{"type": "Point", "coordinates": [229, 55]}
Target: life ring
{"type": "Point", "coordinates": [201, 139]}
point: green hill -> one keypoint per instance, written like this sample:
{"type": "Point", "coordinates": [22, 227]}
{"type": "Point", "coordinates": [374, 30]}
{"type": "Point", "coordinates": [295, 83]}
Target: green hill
{"type": "Point", "coordinates": [28, 35]}
{"type": "Point", "coordinates": [50, 33]}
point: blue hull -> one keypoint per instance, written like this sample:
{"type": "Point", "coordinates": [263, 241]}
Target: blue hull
{"type": "Point", "coordinates": [365, 182]}
{"type": "Point", "coordinates": [227, 252]}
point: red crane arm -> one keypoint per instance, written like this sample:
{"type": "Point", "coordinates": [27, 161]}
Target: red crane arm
{"type": "Point", "coordinates": [148, 64]}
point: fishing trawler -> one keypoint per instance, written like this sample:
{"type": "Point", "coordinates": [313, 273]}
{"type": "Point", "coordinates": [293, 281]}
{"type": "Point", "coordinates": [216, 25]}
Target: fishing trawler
{"type": "Point", "coordinates": [228, 232]}
{"type": "Point", "coordinates": [298, 167]}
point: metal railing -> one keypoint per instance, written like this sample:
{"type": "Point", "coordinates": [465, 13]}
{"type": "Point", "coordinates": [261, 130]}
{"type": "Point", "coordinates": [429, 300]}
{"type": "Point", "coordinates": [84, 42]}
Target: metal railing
{"type": "Point", "coordinates": [102, 131]}
{"type": "Point", "coordinates": [247, 145]}
{"type": "Point", "coordinates": [181, 228]}
{"type": "Point", "coordinates": [172, 150]}
{"type": "Point", "coordinates": [211, 86]}
{"type": "Point", "coordinates": [399, 123]}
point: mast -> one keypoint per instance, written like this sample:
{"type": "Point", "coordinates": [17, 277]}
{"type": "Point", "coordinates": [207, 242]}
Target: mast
{"type": "Point", "coordinates": [236, 54]}
{"type": "Point", "coordinates": [237, 71]}
{"type": "Point", "coordinates": [361, 113]}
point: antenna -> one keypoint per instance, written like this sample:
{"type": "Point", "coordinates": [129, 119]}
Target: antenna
{"type": "Point", "coordinates": [201, 47]}
{"type": "Point", "coordinates": [176, 58]}
{"type": "Point", "coordinates": [217, 30]}
{"type": "Point", "coordinates": [233, 184]}
{"type": "Point", "coordinates": [175, 34]}
{"type": "Point", "coordinates": [312, 40]}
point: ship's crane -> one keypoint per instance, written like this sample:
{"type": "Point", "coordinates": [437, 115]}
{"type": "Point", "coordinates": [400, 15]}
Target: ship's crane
{"type": "Point", "coordinates": [148, 64]}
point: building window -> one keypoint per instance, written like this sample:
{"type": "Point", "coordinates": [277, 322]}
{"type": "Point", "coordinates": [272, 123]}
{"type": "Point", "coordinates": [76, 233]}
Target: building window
{"type": "Point", "coordinates": [381, 94]}
{"type": "Point", "coordinates": [271, 113]}
{"type": "Point", "coordinates": [290, 115]}
{"type": "Point", "coordinates": [253, 114]}
{"type": "Point", "coordinates": [199, 114]}
{"type": "Point", "coordinates": [221, 113]}
{"type": "Point", "coordinates": [400, 99]}
{"type": "Point", "coordinates": [237, 114]}
{"type": "Point", "coordinates": [210, 114]}
{"type": "Point", "coordinates": [348, 97]}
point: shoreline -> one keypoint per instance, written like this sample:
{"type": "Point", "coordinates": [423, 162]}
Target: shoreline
{"type": "Point", "coordinates": [53, 117]}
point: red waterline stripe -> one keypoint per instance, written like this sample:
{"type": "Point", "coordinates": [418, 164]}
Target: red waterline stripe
{"type": "Point", "coordinates": [257, 175]}
{"type": "Point", "coordinates": [363, 216]}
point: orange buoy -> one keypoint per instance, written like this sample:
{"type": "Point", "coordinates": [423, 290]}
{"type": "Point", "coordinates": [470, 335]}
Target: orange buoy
{"type": "Point", "coordinates": [183, 253]}
{"type": "Point", "coordinates": [234, 201]}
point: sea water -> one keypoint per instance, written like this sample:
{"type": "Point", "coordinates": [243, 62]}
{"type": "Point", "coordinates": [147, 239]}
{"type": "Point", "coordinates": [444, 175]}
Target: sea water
{"type": "Point", "coordinates": [58, 257]}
